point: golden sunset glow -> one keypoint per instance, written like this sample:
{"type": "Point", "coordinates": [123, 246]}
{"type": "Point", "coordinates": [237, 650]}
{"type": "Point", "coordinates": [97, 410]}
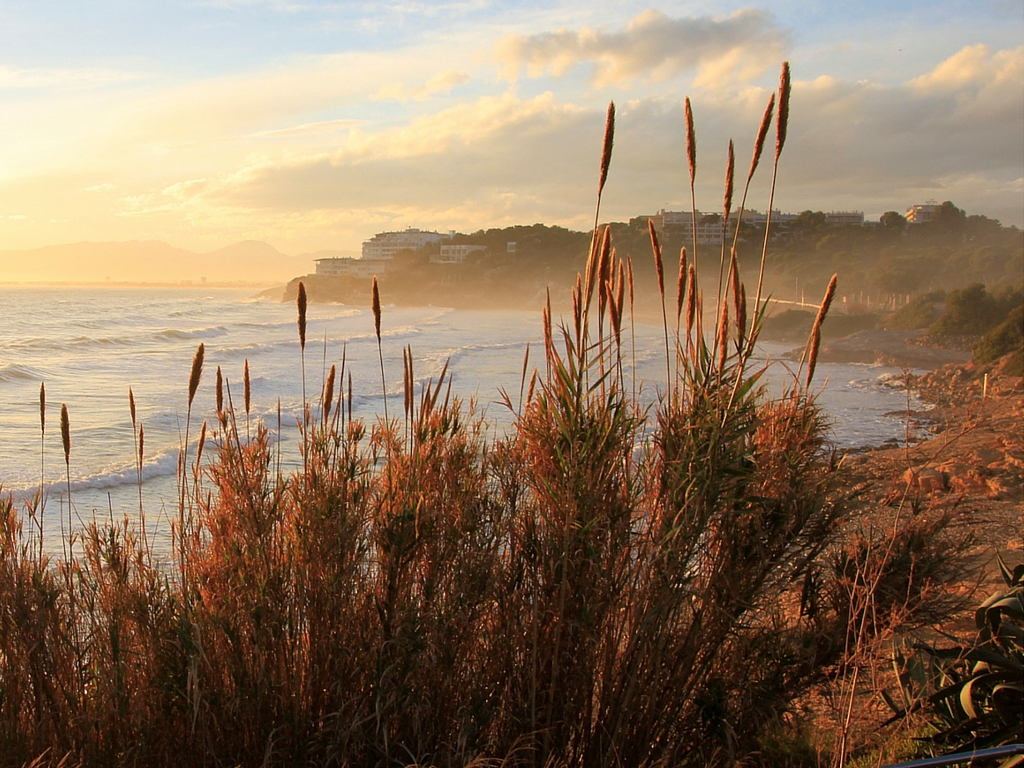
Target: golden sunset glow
{"type": "Point", "coordinates": [311, 127]}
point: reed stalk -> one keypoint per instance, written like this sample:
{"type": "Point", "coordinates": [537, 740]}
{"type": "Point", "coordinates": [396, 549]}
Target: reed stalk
{"type": "Point", "coordinates": [247, 396]}
{"type": "Point", "coordinates": [730, 171]}
{"type": "Point", "coordinates": [691, 161]}
{"type": "Point", "coordinates": [375, 307]}
{"type": "Point", "coordinates": [65, 439]}
{"type": "Point", "coordinates": [195, 375]}
{"type": "Point", "coordinates": [42, 463]}
{"type": "Point", "coordinates": [632, 323]}
{"type": "Point", "coordinates": [660, 270]}
{"type": "Point", "coordinates": [781, 127]}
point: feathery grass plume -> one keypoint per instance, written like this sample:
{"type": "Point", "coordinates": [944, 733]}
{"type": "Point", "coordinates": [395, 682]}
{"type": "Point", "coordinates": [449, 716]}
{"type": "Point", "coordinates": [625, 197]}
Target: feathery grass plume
{"type": "Point", "coordinates": [681, 284]}
{"type": "Point", "coordinates": [783, 120]}
{"type": "Point", "coordinates": [606, 149]}
{"type": "Point", "coordinates": [691, 159]}
{"type": "Point", "coordinates": [329, 394]}
{"type": "Point", "coordinates": [65, 433]}
{"type": "Point", "coordinates": [246, 387]}
{"type": "Point", "coordinates": [812, 358]}
{"type": "Point", "coordinates": [42, 407]}
{"type": "Point", "coordinates": [375, 306]}
{"type": "Point", "coordinates": [406, 393]}
{"type": "Point", "coordinates": [142, 510]}
{"type": "Point", "coordinates": [247, 395]}
{"type": "Point", "coordinates": [826, 300]}
{"type": "Point", "coordinates": [349, 408]}
{"type": "Point", "coordinates": [65, 439]}
{"type": "Point", "coordinates": [762, 134]}
{"type": "Point", "coordinates": [196, 374]}
{"type": "Point", "coordinates": [220, 392]}
{"type": "Point", "coordinates": [656, 249]}
{"type": "Point", "coordinates": [691, 142]}
{"type": "Point", "coordinates": [137, 437]}
{"type": "Point", "coordinates": [533, 385]}
{"type": "Point", "coordinates": [193, 386]}
{"type": "Point", "coordinates": [606, 161]}
{"type": "Point", "coordinates": [301, 303]}
{"type": "Point", "coordinates": [730, 172]}
{"type": "Point", "coordinates": [199, 451]}
{"type": "Point", "coordinates": [815, 340]}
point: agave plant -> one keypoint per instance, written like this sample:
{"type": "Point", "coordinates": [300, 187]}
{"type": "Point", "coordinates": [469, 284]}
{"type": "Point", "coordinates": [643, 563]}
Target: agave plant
{"type": "Point", "coordinates": [976, 697]}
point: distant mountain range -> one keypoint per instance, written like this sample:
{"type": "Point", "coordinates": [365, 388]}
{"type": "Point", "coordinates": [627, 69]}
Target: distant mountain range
{"type": "Point", "coordinates": [153, 261]}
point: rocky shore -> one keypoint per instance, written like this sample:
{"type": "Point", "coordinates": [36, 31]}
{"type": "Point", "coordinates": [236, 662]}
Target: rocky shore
{"type": "Point", "coordinates": [892, 348]}
{"type": "Point", "coordinates": [972, 460]}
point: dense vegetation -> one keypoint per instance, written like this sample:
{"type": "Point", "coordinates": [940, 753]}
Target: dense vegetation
{"type": "Point", "coordinates": [876, 264]}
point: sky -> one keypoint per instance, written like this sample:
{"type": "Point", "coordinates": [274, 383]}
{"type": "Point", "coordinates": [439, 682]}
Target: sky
{"type": "Point", "coordinates": [313, 125]}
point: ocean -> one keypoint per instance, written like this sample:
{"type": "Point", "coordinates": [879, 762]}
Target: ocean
{"type": "Point", "coordinates": [89, 345]}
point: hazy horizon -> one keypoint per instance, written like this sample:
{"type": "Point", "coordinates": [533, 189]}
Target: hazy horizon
{"type": "Point", "coordinates": [311, 126]}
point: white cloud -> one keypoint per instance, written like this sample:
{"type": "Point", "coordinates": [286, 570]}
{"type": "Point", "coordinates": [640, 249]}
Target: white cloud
{"type": "Point", "coordinates": [974, 67]}
{"type": "Point", "coordinates": [440, 83]}
{"type": "Point", "coordinates": [501, 159]}
{"type": "Point", "coordinates": [652, 46]}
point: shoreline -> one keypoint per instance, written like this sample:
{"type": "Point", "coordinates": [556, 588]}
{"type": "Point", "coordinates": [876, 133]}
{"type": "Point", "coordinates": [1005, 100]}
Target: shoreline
{"type": "Point", "coordinates": [970, 464]}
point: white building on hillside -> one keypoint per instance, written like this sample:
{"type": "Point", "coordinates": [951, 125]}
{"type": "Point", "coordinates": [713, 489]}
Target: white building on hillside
{"type": "Point", "coordinates": [346, 267]}
{"type": "Point", "coordinates": [921, 214]}
{"type": "Point", "coordinates": [385, 244]}
{"type": "Point", "coordinates": [455, 254]}
{"type": "Point", "coordinates": [849, 218]}
{"type": "Point", "coordinates": [708, 232]}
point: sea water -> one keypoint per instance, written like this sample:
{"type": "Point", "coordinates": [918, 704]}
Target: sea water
{"type": "Point", "coordinates": [90, 345]}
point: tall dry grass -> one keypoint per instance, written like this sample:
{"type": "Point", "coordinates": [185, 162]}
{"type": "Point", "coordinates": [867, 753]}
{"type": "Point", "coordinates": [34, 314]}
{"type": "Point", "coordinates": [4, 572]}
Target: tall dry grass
{"type": "Point", "coordinates": [606, 584]}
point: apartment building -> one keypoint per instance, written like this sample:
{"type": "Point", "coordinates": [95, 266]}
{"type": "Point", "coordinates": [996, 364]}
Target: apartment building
{"type": "Point", "coordinates": [455, 254]}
